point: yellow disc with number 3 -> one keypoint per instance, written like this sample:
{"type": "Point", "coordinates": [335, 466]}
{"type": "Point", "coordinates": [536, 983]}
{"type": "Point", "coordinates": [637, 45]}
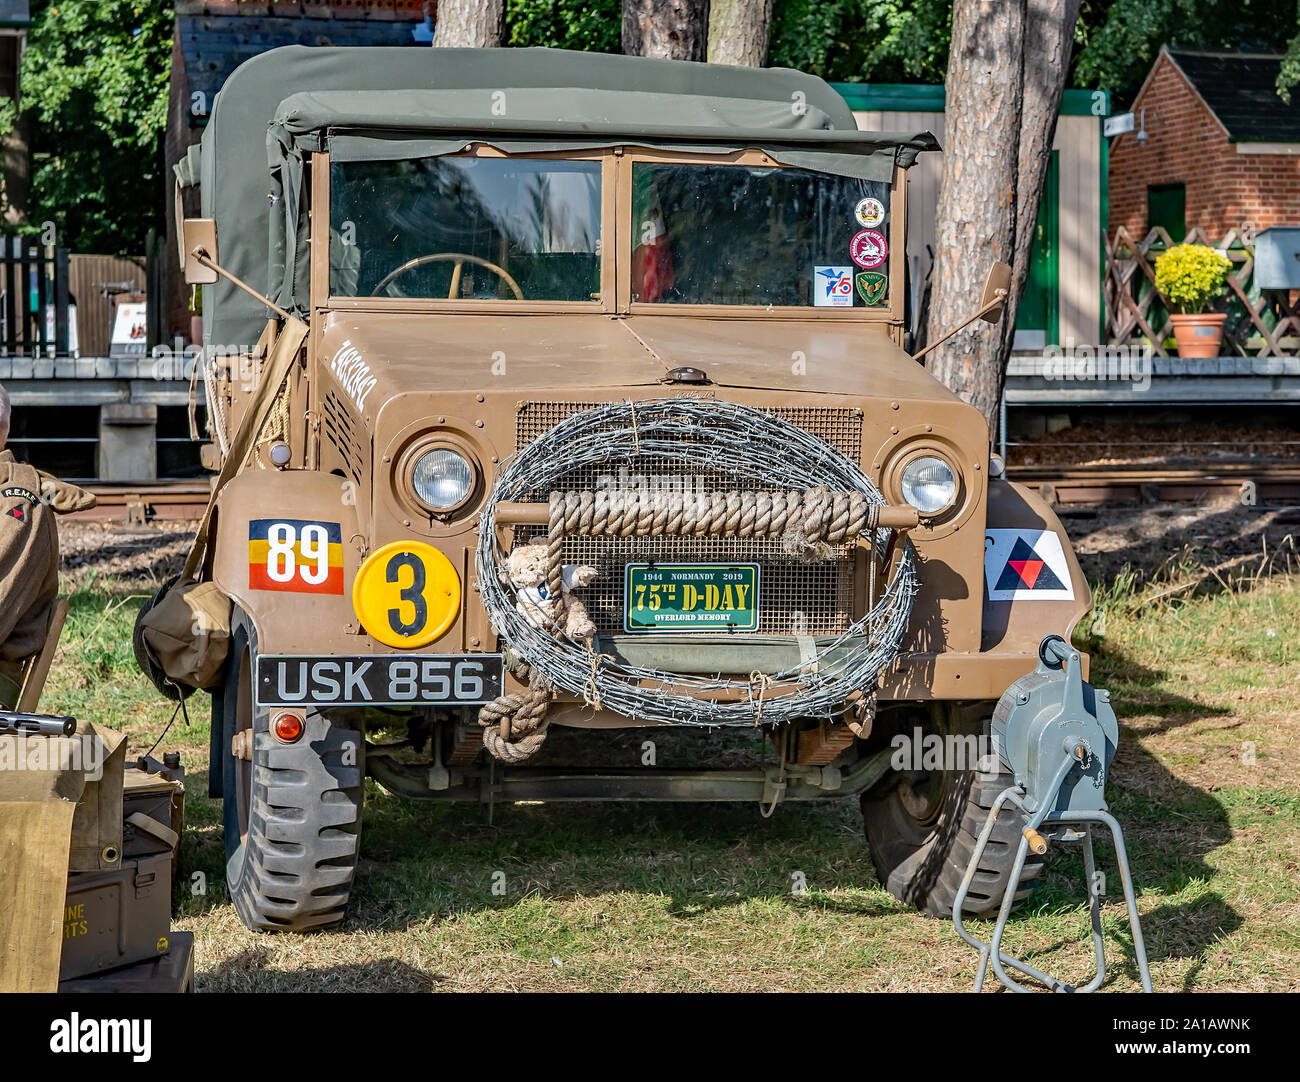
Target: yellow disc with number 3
{"type": "Point", "coordinates": [406, 594]}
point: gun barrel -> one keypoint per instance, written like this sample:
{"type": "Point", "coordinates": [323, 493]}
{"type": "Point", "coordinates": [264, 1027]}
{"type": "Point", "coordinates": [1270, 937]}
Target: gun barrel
{"type": "Point", "coordinates": [36, 724]}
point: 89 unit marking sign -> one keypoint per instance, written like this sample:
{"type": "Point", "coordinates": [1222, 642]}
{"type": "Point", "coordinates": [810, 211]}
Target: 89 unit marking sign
{"type": "Point", "coordinates": [295, 555]}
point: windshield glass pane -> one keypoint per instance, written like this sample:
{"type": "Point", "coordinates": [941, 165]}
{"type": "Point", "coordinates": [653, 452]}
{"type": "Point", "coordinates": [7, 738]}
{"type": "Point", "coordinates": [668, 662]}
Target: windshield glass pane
{"type": "Point", "coordinates": [468, 228]}
{"type": "Point", "coordinates": [731, 234]}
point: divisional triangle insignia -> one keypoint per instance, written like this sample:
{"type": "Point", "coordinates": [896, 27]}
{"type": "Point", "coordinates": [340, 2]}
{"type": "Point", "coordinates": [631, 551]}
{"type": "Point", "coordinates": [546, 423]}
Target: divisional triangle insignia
{"type": "Point", "coordinates": [1026, 570]}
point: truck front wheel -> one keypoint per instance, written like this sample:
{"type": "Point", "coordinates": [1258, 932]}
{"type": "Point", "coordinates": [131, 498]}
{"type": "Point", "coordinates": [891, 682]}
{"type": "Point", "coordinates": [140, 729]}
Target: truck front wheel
{"type": "Point", "coordinates": [292, 812]}
{"type": "Point", "coordinates": [922, 823]}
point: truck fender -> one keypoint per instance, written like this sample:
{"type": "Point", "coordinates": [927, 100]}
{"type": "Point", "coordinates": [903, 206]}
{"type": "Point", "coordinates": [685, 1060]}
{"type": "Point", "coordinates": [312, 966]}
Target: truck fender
{"type": "Point", "coordinates": [290, 613]}
{"type": "Point", "coordinates": [1019, 519]}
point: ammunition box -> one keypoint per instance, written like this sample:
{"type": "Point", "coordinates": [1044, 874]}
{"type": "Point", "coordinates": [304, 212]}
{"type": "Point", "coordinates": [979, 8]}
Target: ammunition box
{"type": "Point", "coordinates": [150, 798]}
{"type": "Point", "coordinates": [170, 972]}
{"type": "Point", "coordinates": [117, 917]}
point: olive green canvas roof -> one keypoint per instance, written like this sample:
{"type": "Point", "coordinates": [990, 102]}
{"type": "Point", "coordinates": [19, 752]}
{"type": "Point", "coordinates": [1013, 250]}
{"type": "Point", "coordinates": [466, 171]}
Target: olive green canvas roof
{"type": "Point", "coordinates": [411, 102]}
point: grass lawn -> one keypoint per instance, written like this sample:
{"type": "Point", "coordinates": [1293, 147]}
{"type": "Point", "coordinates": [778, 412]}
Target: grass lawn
{"type": "Point", "coordinates": [700, 897]}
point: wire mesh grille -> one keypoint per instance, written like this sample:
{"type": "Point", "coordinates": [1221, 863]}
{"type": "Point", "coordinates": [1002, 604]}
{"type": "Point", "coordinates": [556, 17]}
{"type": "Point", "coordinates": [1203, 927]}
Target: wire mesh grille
{"type": "Point", "coordinates": [840, 428]}
{"type": "Point", "coordinates": [718, 438]}
{"type": "Point", "coordinates": [795, 597]}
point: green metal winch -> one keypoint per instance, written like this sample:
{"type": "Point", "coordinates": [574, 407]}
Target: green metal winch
{"type": "Point", "coordinates": [1056, 734]}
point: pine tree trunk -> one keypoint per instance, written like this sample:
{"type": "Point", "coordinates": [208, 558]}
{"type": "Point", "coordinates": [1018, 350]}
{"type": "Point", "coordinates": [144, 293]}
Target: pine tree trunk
{"type": "Point", "coordinates": [469, 24]}
{"type": "Point", "coordinates": [669, 29]}
{"type": "Point", "coordinates": [738, 32]}
{"type": "Point", "coordinates": [1006, 73]}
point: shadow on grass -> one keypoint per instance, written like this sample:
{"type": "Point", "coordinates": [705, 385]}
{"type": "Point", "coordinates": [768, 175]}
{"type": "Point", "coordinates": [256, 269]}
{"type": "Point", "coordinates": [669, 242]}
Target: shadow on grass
{"type": "Point", "coordinates": [682, 862]}
{"type": "Point", "coordinates": [691, 858]}
{"type": "Point", "coordinates": [246, 971]}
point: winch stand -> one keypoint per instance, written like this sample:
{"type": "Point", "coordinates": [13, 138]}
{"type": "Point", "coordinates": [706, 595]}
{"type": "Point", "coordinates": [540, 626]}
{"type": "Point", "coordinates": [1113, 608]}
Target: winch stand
{"type": "Point", "coordinates": [1053, 716]}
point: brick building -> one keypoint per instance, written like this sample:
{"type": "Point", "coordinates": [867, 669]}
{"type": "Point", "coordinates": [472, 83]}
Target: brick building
{"type": "Point", "coordinates": [1214, 148]}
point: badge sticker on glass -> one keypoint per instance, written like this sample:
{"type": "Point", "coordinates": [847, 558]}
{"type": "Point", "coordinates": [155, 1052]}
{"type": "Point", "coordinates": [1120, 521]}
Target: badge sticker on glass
{"type": "Point", "coordinates": [873, 287]}
{"type": "Point", "coordinates": [869, 212]}
{"type": "Point", "coordinates": [869, 249]}
{"type": "Point", "coordinates": [833, 287]}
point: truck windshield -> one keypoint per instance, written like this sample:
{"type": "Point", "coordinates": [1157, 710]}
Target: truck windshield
{"type": "Point", "coordinates": [466, 228]}
{"type": "Point", "coordinates": [736, 235]}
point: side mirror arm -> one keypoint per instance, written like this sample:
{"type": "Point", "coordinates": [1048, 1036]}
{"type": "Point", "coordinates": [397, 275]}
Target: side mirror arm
{"type": "Point", "coordinates": [999, 301]}
{"type": "Point", "coordinates": [200, 256]}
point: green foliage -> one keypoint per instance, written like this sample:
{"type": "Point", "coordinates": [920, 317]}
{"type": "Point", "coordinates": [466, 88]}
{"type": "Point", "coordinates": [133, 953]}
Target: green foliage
{"type": "Point", "coordinates": [1119, 39]}
{"type": "Point", "coordinates": [591, 25]}
{"type": "Point", "coordinates": [896, 41]}
{"type": "Point", "coordinates": [94, 84]}
{"type": "Point", "coordinates": [1290, 73]}
{"type": "Point", "coordinates": [1189, 276]}
{"type": "Point", "coordinates": [883, 41]}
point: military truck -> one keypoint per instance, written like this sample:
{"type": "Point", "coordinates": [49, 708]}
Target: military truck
{"type": "Point", "coordinates": [555, 389]}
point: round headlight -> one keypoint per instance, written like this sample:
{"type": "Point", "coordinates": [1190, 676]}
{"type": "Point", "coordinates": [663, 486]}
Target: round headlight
{"type": "Point", "coordinates": [442, 479]}
{"type": "Point", "coordinates": [928, 484]}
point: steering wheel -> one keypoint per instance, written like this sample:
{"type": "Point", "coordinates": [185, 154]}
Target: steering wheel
{"type": "Point", "coordinates": [460, 259]}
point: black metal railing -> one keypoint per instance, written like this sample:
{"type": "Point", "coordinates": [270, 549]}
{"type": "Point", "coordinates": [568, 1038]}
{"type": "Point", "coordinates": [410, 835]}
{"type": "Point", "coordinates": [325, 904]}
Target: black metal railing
{"type": "Point", "coordinates": [33, 299]}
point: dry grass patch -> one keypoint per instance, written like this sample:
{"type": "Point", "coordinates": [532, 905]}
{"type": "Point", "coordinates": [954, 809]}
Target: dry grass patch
{"type": "Point", "coordinates": [699, 898]}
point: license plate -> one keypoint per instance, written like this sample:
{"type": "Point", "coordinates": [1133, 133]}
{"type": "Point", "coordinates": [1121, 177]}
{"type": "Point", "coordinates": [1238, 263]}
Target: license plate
{"type": "Point", "coordinates": [691, 597]}
{"type": "Point", "coordinates": [378, 679]}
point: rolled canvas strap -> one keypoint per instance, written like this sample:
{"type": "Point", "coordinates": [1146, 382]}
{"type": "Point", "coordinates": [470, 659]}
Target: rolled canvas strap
{"type": "Point", "coordinates": [274, 373]}
{"type": "Point", "coordinates": [150, 825]}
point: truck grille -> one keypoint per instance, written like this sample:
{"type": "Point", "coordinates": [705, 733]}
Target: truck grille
{"type": "Point", "coordinates": [795, 597]}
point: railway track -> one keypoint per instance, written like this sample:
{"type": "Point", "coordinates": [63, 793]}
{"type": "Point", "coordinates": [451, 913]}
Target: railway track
{"type": "Point", "coordinates": [143, 502]}
{"type": "Point", "coordinates": [1246, 483]}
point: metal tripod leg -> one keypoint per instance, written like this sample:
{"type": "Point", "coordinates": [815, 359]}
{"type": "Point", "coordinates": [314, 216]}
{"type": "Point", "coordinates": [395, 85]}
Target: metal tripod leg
{"type": "Point", "coordinates": [992, 950]}
{"type": "Point", "coordinates": [1013, 795]}
{"type": "Point", "coordinates": [1094, 911]}
{"type": "Point", "coordinates": [1130, 898]}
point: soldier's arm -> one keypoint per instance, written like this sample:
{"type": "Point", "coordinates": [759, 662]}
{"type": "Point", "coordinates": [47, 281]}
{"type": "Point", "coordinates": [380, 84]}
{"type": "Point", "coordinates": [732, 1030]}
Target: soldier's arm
{"type": "Point", "coordinates": [26, 553]}
{"type": "Point", "coordinates": [64, 497]}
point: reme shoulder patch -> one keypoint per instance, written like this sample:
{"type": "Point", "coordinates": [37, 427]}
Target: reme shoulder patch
{"type": "Point", "coordinates": [18, 492]}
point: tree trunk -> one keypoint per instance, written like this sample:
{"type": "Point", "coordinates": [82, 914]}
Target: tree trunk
{"type": "Point", "coordinates": [738, 32]}
{"type": "Point", "coordinates": [1006, 73]}
{"type": "Point", "coordinates": [469, 24]}
{"type": "Point", "coordinates": [669, 29]}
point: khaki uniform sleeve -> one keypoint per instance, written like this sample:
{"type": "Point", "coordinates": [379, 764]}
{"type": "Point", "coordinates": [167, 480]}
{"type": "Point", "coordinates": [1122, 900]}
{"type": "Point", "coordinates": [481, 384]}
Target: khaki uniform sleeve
{"type": "Point", "coordinates": [29, 566]}
{"type": "Point", "coordinates": [63, 497]}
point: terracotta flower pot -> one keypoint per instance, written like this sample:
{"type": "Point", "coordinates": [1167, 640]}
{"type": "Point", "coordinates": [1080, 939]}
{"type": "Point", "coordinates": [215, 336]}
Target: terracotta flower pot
{"type": "Point", "coordinates": [1199, 336]}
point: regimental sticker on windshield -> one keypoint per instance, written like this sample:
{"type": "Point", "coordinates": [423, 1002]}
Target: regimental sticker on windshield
{"type": "Point", "coordinates": [873, 286]}
{"type": "Point", "coordinates": [833, 287]}
{"type": "Point", "coordinates": [869, 212]}
{"type": "Point", "coordinates": [1026, 565]}
{"type": "Point", "coordinates": [869, 248]}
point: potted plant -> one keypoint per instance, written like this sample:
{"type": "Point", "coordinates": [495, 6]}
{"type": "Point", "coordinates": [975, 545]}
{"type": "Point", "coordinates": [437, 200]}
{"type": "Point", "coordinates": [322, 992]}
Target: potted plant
{"type": "Point", "coordinates": [1189, 276]}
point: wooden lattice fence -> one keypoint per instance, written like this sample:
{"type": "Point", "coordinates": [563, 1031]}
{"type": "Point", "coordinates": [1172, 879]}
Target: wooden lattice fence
{"type": "Point", "coordinates": [1260, 323]}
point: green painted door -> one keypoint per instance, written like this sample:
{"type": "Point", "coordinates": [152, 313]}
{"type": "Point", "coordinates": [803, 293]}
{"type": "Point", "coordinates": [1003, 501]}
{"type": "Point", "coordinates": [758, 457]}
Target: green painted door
{"type": "Point", "coordinates": [1167, 208]}
{"type": "Point", "coordinates": [1037, 317]}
